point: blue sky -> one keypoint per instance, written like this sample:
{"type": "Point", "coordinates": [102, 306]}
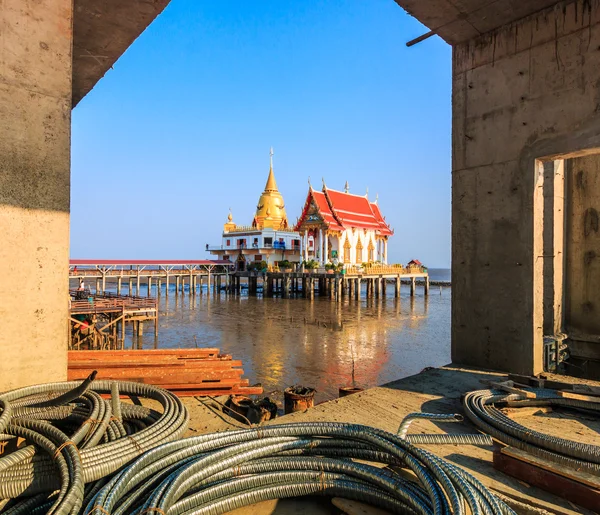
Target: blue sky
{"type": "Point", "coordinates": [180, 130]}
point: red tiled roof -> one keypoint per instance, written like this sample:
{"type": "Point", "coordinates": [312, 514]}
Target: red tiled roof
{"type": "Point", "coordinates": [385, 228]}
{"type": "Point", "coordinates": [356, 211]}
{"type": "Point", "coordinates": [415, 262]}
{"type": "Point", "coordinates": [323, 209]}
{"type": "Point", "coordinates": [343, 210]}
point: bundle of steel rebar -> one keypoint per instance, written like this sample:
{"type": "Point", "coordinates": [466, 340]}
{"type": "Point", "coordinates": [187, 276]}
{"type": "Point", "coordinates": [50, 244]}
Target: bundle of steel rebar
{"type": "Point", "coordinates": [481, 408]}
{"type": "Point", "coordinates": [73, 438]}
{"type": "Point", "coordinates": [216, 473]}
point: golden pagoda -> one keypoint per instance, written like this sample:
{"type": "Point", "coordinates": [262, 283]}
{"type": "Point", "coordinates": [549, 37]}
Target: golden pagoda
{"type": "Point", "coordinates": [270, 211]}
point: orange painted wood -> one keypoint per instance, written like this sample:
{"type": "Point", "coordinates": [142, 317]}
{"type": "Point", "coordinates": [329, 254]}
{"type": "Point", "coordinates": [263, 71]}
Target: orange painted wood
{"type": "Point", "coordinates": [120, 354]}
{"type": "Point", "coordinates": [157, 377]}
{"type": "Point", "coordinates": [178, 366]}
{"type": "Point", "coordinates": [190, 392]}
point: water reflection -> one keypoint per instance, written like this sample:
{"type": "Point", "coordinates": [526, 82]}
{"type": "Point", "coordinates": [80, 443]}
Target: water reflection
{"type": "Point", "coordinates": [289, 341]}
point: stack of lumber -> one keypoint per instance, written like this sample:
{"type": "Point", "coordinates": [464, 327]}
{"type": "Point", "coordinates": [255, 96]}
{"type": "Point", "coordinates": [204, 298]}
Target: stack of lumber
{"type": "Point", "coordinates": [185, 372]}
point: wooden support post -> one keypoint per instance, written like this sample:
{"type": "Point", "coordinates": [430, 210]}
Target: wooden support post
{"type": "Point", "coordinates": [119, 280]}
{"type": "Point", "coordinates": [397, 285]}
{"type": "Point", "coordinates": [383, 287]}
{"type": "Point", "coordinates": [427, 285]}
{"type": "Point", "coordinates": [413, 286]}
{"type": "Point", "coordinates": [149, 286]}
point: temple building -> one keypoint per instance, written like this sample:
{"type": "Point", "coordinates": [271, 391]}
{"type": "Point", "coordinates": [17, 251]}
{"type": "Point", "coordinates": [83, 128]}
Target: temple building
{"type": "Point", "coordinates": [269, 238]}
{"type": "Point", "coordinates": [340, 227]}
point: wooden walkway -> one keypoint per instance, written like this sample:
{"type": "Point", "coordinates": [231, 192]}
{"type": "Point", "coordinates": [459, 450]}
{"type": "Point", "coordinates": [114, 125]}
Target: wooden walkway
{"type": "Point", "coordinates": [334, 285]}
{"type": "Point", "coordinates": [99, 320]}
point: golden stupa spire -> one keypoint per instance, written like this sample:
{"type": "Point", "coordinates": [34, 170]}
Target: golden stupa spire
{"type": "Point", "coordinates": [270, 211]}
{"type": "Point", "coordinates": [271, 184]}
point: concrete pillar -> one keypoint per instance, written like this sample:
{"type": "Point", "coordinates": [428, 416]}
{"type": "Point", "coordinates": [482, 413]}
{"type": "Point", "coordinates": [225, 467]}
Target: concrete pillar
{"type": "Point", "coordinates": [167, 284]}
{"type": "Point", "coordinates": [426, 288]}
{"type": "Point", "coordinates": [397, 285]}
{"type": "Point", "coordinates": [149, 286]}
{"type": "Point", "coordinates": [177, 283]}
{"type": "Point", "coordinates": [137, 284]}
{"type": "Point", "coordinates": [103, 281]}
{"type": "Point", "coordinates": [326, 247]}
{"type": "Point", "coordinates": [159, 287]}
{"type": "Point", "coordinates": [321, 246]}
{"type": "Point", "coordinates": [385, 255]}
{"type": "Point", "coordinates": [130, 291]}
{"type": "Point", "coordinates": [208, 283]}
{"type": "Point", "coordinates": [35, 134]}
{"type": "Point", "coordinates": [383, 287]}
{"type": "Point", "coordinates": [413, 286]}
{"type": "Point", "coordinates": [191, 284]}
{"type": "Point", "coordinates": [97, 284]}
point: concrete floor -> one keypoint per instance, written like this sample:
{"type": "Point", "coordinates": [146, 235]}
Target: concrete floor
{"type": "Point", "coordinates": [433, 390]}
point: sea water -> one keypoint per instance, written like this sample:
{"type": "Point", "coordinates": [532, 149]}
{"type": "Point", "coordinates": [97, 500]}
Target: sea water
{"type": "Point", "coordinates": [319, 343]}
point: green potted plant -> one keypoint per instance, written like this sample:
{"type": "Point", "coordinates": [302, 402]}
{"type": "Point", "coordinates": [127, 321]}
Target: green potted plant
{"type": "Point", "coordinates": [285, 266]}
{"type": "Point", "coordinates": [310, 265]}
{"type": "Point", "coordinates": [329, 268]}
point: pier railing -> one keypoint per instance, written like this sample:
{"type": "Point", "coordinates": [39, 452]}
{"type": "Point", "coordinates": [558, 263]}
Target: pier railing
{"type": "Point", "coordinates": [110, 302]}
{"type": "Point", "coordinates": [377, 270]}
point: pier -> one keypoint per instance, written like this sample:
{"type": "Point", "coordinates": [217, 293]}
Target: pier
{"type": "Point", "coordinates": [98, 321]}
{"type": "Point", "coordinates": [130, 275]}
{"type": "Point", "coordinates": [336, 286]}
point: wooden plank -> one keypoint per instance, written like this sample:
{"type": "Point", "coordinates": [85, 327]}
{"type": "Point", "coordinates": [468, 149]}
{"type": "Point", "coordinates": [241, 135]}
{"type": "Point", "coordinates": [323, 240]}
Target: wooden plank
{"type": "Point", "coordinates": [509, 387]}
{"type": "Point", "coordinates": [152, 376]}
{"type": "Point", "coordinates": [578, 397]}
{"type": "Point", "coordinates": [177, 353]}
{"type": "Point", "coordinates": [246, 390]}
{"type": "Point", "coordinates": [573, 491]}
{"type": "Point", "coordinates": [575, 475]}
{"type": "Point", "coordinates": [183, 365]}
{"type": "Point", "coordinates": [587, 389]}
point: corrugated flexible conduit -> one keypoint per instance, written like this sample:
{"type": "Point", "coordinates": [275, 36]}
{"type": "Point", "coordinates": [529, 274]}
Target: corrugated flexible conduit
{"type": "Point", "coordinates": [216, 473]}
{"type": "Point", "coordinates": [480, 408]}
{"type": "Point", "coordinates": [75, 438]}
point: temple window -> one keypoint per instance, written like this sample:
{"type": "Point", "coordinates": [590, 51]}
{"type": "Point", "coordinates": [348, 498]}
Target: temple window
{"type": "Point", "coordinates": [347, 251]}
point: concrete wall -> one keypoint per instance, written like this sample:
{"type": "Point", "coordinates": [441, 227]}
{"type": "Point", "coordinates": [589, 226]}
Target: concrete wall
{"type": "Point", "coordinates": [582, 285]}
{"type": "Point", "coordinates": [35, 121]}
{"type": "Point", "coordinates": [529, 91]}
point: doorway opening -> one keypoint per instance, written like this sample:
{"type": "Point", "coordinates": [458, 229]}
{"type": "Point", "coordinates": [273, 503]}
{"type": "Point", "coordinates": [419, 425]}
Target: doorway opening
{"type": "Point", "coordinates": [567, 262]}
